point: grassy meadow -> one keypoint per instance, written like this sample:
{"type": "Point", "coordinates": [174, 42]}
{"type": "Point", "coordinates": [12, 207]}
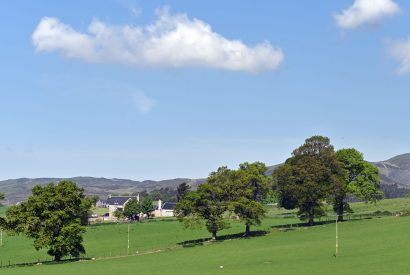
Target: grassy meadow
{"type": "Point", "coordinates": [2, 211]}
{"type": "Point", "coordinates": [375, 245]}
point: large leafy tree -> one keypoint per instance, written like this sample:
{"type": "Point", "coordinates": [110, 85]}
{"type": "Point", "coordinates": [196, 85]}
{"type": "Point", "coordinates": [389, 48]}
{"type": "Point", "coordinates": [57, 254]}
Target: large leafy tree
{"type": "Point", "coordinates": [182, 190]}
{"type": "Point", "coordinates": [209, 202]}
{"type": "Point", "coordinates": [54, 217]}
{"type": "Point", "coordinates": [361, 181]}
{"type": "Point", "coordinates": [249, 187]}
{"type": "Point", "coordinates": [307, 179]}
{"type": "Point", "coordinates": [119, 215]}
{"type": "Point", "coordinates": [147, 207]}
{"type": "Point", "coordinates": [2, 220]}
{"type": "Point", "coordinates": [132, 209]}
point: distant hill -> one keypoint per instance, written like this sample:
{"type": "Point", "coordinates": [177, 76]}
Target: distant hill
{"type": "Point", "coordinates": [394, 175]}
{"type": "Point", "coordinates": [19, 189]}
{"type": "Point", "coordinates": [396, 170]}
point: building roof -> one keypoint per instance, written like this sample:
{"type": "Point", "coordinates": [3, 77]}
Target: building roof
{"type": "Point", "coordinates": [119, 200]}
{"type": "Point", "coordinates": [169, 206]}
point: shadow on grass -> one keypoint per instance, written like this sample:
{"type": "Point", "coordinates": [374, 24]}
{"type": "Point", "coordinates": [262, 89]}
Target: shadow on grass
{"type": "Point", "coordinates": [64, 261]}
{"type": "Point", "coordinates": [198, 242]}
{"type": "Point", "coordinates": [292, 226]}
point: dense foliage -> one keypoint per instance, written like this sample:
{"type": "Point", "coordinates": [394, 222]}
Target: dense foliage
{"type": "Point", "coordinates": [209, 202]}
{"type": "Point", "coordinates": [53, 216]}
{"type": "Point", "coordinates": [147, 207]}
{"type": "Point", "coordinates": [361, 181]}
{"type": "Point", "coordinates": [182, 190]}
{"type": "Point", "coordinates": [250, 188]}
{"type": "Point", "coordinates": [2, 197]}
{"type": "Point", "coordinates": [227, 191]}
{"type": "Point", "coordinates": [316, 174]}
{"type": "Point", "coordinates": [132, 210]}
{"type": "Point", "coordinates": [309, 177]}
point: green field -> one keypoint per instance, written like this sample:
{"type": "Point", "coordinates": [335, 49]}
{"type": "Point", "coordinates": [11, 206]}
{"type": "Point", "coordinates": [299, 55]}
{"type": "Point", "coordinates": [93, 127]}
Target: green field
{"type": "Point", "coordinates": [99, 210]}
{"type": "Point", "coordinates": [107, 240]}
{"type": "Point", "coordinates": [367, 246]}
{"type": "Point", "coordinates": [2, 211]}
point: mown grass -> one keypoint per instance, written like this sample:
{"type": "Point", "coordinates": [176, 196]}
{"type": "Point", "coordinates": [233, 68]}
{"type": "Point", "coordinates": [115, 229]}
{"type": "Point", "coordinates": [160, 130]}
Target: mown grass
{"type": "Point", "coordinates": [373, 246]}
{"type": "Point", "coordinates": [107, 240]}
{"type": "Point", "coordinates": [3, 211]}
{"type": "Point", "coordinates": [391, 205]}
{"type": "Point", "coordinates": [99, 210]}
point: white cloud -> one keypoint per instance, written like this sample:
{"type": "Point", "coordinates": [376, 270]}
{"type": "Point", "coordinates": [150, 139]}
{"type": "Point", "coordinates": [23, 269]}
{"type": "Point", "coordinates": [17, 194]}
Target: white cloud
{"type": "Point", "coordinates": [400, 50]}
{"type": "Point", "coordinates": [173, 40]}
{"type": "Point", "coordinates": [366, 12]}
{"type": "Point", "coordinates": [144, 103]}
{"type": "Point", "coordinates": [135, 10]}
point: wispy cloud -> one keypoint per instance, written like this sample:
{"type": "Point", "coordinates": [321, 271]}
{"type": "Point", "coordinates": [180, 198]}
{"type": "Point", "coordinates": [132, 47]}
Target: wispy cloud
{"type": "Point", "coordinates": [366, 12]}
{"type": "Point", "coordinates": [144, 103]}
{"type": "Point", "coordinates": [173, 40]}
{"type": "Point", "coordinates": [400, 51]}
{"type": "Point", "coordinates": [134, 9]}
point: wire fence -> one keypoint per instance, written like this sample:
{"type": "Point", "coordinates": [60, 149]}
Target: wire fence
{"type": "Point", "coordinates": [130, 252]}
{"type": "Point", "coordinates": [86, 257]}
{"type": "Point", "coordinates": [46, 261]}
{"type": "Point", "coordinates": [346, 216]}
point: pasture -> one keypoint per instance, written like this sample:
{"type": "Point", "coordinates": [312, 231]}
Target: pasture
{"type": "Point", "coordinates": [2, 211]}
{"type": "Point", "coordinates": [368, 246]}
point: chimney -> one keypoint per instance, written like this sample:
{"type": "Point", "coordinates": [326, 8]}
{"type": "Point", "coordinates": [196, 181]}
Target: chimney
{"type": "Point", "coordinates": [159, 205]}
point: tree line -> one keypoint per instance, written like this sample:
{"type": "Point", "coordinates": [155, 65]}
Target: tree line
{"type": "Point", "coordinates": [313, 176]}
{"type": "Point", "coordinates": [55, 215]}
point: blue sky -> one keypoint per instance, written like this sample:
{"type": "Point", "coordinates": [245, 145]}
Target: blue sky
{"type": "Point", "coordinates": [165, 89]}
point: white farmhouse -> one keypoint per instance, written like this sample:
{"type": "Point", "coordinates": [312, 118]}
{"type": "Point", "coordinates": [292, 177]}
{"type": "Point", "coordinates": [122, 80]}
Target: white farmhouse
{"type": "Point", "coordinates": [165, 210]}
{"type": "Point", "coordinates": [117, 203]}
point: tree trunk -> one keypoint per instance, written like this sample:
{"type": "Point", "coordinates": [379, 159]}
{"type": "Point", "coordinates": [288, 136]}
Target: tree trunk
{"type": "Point", "coordinates": [214, 235]}
{"type": "Point", "coordinates": [311, 216]}
{"type": "Point", "coordinates": [247, 229]}
{"type": "Point", "coordinates": [311, 222]}
{"type": "Point", "coordinates": [340, 210]}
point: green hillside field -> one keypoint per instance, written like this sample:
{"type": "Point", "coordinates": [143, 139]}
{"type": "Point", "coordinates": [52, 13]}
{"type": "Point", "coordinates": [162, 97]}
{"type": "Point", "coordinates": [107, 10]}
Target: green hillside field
{"type": "Point", "coordinates": [2, 211]}
{"type": "Point", "coordinates": [376, 245]}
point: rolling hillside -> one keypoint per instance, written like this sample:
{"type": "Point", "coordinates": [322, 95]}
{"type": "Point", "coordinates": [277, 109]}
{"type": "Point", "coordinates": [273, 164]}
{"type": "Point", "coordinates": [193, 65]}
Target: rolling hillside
{"type": "Point", "coordinates": [394, 174]}
{"type": "Point", "coordinates": [19, 189]}
{"type": "Point", "coordinates": [396, 170]}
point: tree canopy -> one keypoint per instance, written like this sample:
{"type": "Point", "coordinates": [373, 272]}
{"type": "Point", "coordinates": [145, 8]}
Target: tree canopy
{"type": "Point", "coordinates": [237, 191]}
{"type": "Point", "coordinates": [361, 180]}
{"type": "Point", "coordinates": [209, 202]}
{"type": "Point", "coordinates": [132, 209]}
{"type": "Point", "coordinates": [54, 217]}
{"type": "Point", "coordinates": [250, 187]}
{"type": "Point", "coordinates": [147, 207]}
{"type": "Point", "coordinates": [2, 220]}
{"type": "Point", "coordinates": [182, 190]}
{"type": "Point", "coordinates": [308, 178]}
